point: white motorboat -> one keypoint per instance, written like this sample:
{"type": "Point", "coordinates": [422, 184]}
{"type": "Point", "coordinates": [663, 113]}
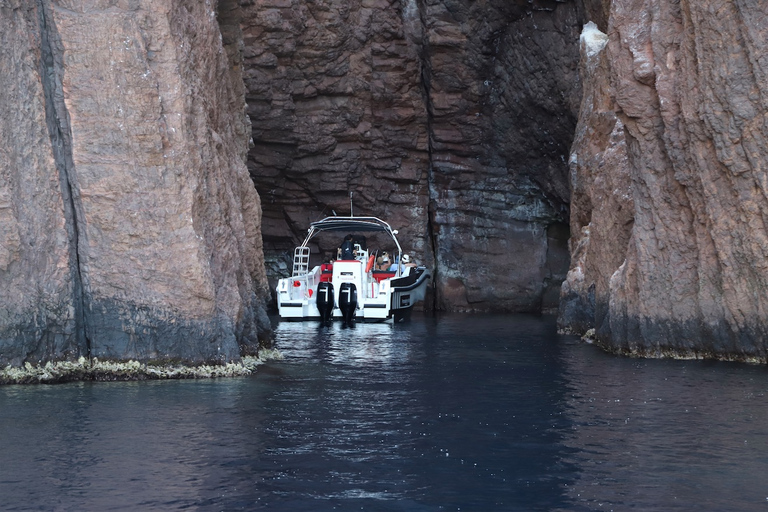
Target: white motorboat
{"type": "Point", "coordinates": [351, 288]}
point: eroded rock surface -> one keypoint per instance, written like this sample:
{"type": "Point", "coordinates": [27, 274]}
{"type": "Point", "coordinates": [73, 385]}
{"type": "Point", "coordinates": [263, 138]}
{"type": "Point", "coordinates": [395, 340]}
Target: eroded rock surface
{"type": "Point", "coordinates": [452, 120]}
{"type": "Point", "coordinates": [689, 80]}
{"type": "Point", "coordinates": [143, 215]}
{"type": "Point", "coordinates": [602, 207]}
{"type": "Point", "coordinates": [129, 227]}
{"type": "Point", "coordinates": [39, 306]}
{"type": "Point", "coordinates": [335, 95]}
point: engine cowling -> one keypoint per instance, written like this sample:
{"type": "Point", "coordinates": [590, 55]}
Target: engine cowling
{"type": "Point", "coordinates": [325, 301]}
{"type": "Point", "coordinates": [348, 302]}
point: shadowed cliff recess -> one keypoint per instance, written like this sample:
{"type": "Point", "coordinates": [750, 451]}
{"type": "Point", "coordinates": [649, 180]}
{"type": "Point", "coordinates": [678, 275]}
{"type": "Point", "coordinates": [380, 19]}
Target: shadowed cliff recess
{"type": "Point", "coordinates": [451, 119]}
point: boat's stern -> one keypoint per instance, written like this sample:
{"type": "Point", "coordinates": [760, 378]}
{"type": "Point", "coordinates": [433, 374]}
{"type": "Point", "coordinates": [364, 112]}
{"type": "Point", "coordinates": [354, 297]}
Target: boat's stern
{"type": "Point", "coordinates": [296, 296]}
{"type": "Point", "coordinates": [408, 290]}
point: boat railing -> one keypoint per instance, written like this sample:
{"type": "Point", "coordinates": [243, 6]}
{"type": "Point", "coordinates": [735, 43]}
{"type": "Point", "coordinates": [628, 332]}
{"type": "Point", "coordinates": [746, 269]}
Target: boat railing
{"type": "Point", "coordinates": [300, 261]}
{"type": "Point", "coordinates": [313, 279]}
{"type": "Point", "coordinates": [302, 286]}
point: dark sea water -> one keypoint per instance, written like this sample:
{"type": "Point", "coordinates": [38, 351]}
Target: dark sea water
{"type": "Point", "coordinates": [472, 413]}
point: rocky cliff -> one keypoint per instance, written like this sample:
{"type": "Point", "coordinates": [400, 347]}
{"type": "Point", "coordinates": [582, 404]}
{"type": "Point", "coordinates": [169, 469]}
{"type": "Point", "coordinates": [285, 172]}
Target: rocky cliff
{"type": "Point", "coordinates": [669, 182]}
{"type": "Point", "coordinates": [489, 133]}
{"type": "Point", "coordinates": [455, 120]}
{"type": "Point", "coordinates": [450, 119]}
{"type": "Point", "coordinates": [129, 227]}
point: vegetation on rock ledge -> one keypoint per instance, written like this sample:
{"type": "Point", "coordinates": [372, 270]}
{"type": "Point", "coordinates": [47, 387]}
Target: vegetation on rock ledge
{"type": "Point", "coordinates": [93, 369]}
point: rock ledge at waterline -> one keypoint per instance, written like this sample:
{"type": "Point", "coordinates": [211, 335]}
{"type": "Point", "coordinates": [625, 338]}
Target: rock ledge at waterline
{"type": "Point", "coordinates": [95, 370]}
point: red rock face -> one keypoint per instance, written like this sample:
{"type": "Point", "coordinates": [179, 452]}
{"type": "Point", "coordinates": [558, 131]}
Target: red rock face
{"type": "Point", "coordinates": [334, 92]}
{"type": "Point", "coordinates": [129, 227]}
{"type": "Point", "coordinates": [602, 206]}
{"type": "Point", "coordinates": [127, 209]}
{"type": "Point", "coordinates": [39, 312]}
{"type": "Point", "coordinates": [452, 120]}
{"type": "Point", "coordinates": [688, 78]}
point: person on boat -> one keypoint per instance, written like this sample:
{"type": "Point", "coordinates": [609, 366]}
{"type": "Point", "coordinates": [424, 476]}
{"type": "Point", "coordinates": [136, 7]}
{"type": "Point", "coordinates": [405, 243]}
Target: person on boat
{"type": "Point", "coordinates": [405, 261]}
{"type": "Point", "coordinates": [359, 240]}
{"type": "Point", "coordinates": [347, 250]}
{"type": "Point", "coordinates": [383, 263]}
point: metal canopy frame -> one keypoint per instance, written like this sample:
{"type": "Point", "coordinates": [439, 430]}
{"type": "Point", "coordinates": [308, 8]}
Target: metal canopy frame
{"type": "Point", "coordinates": [351, 225]}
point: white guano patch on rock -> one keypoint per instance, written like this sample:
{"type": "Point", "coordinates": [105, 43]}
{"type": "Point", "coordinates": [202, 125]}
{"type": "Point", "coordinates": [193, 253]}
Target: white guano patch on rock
{"type": "Point", "coordinates": [410, 10]}
{"type": "Point", "coordinates": [592, 40]}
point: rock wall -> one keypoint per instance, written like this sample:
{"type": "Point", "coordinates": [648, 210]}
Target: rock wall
{"type": "Point", "coordinates": [130, 226]}
{"type": "Point", "coordinates": [335, 95]}
{"type": "Point", "coordinates": [451, 119]}
{"type": "Point", "coordinates": [40, 310]}
{"type": "Point", "coordinates": [688, 80]}
{"type": "Point", "coordinates": [602, 206]}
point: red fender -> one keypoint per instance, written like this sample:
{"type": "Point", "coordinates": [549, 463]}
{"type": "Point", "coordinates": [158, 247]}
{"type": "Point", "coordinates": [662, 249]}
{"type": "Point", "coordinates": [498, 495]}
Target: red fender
{"type": "Point", "coordinates": [370, 263]}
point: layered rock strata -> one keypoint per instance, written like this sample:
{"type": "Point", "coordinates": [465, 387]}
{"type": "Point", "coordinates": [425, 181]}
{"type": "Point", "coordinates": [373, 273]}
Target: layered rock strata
{"type": "Point", "coordinates": [503, 93]}
{"type": "Point", "coordinates": [334, 92]}
{"type": "Point", "coordinates": [689, 84]}
{"type": "Point", "coordinates": [131, 226]}
{"type": "Point", "coordinates": [452, 120]}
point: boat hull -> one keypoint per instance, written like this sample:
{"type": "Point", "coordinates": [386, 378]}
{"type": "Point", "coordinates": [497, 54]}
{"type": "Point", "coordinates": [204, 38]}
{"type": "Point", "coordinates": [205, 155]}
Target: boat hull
{"type": "Point", "coordinates": [388, 298]}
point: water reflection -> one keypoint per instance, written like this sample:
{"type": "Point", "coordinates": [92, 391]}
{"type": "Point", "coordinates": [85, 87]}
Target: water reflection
{"type": "Point", "coordinates": [441, 414]}
{"type": "Point", "coordinates": [489, 413]}
{"type": "Point", "coordinates": [118, 446]}
{"type": "Point", "coordinates": [666, 435]}
{"type": "Point", "coordinates": [339, 416]}
{"type": "Point", "coordinates": [363, 344]}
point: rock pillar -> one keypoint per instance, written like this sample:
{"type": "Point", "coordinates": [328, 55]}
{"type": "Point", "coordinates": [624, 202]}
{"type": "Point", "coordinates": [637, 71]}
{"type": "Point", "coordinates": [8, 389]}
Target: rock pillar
{"type": "Point", "coordinates": [146, 222]}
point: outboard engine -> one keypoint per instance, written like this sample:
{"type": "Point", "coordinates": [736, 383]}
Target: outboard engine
{"type": "Point", "coordinates": [325, 302]}
{"type": "Point", "coordinates": [348, 302]}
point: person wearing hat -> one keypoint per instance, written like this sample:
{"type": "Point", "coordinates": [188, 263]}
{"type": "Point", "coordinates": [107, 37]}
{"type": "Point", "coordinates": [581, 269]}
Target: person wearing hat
{"type": "Point", "coordinates": [382, 262]}
{"type": "Point", "coordinates": [405, 261]}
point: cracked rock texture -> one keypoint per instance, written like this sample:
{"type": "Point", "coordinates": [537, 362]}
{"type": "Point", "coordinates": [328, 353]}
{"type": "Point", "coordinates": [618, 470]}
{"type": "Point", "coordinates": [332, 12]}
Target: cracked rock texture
{"type": "Point", "coordinates": [450, 119]}
{"type": "Point", "coordinates": [39, 311]}
{"type": "Point", "coordinates": [687, 81]}
{"type": "Point", "coordinates": [488, 133]}
{"type": "Point", "coordinates": [602, 207]}
{"type": "Point", "coordinates": [130, 227]}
